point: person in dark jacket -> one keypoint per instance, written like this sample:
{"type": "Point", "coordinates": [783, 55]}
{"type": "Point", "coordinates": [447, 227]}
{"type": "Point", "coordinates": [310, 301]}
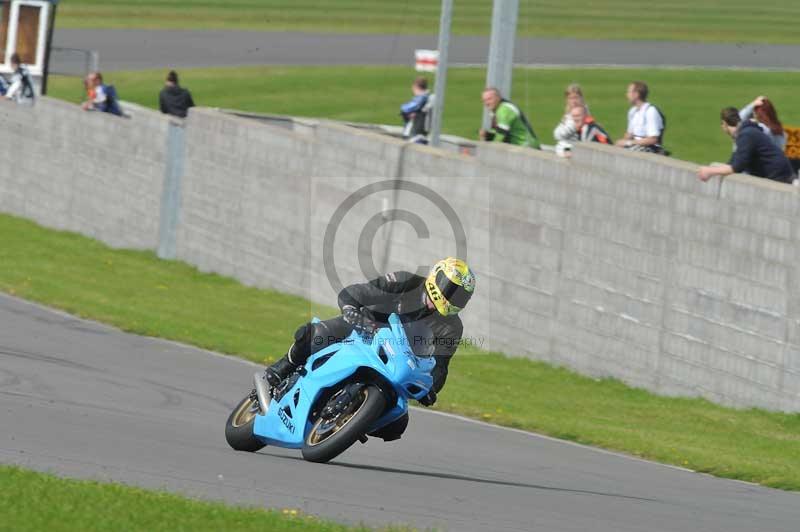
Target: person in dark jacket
{"type": "Point", "coordinates": [174, 100]}
{"type": "Point", "coordinates": [755, 152]}
{"type": "Point", "coordinates": [435, 301]}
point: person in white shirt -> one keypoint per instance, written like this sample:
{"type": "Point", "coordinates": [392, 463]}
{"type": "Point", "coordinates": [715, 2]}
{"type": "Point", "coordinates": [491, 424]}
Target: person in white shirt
{"type": "Point", "coordinates": [645, 122]}
{"type": "Point", "coordinates": [21, 88]}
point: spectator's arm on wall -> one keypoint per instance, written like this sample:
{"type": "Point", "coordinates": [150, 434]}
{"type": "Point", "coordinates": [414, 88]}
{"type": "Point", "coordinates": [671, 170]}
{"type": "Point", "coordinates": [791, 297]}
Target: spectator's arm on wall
{"type": "Point", "coordinates": [565, 130]}
{"type": "Point", "coordinates": [628, 136]}
{"type": "Point", "coordinates": [707, 172]}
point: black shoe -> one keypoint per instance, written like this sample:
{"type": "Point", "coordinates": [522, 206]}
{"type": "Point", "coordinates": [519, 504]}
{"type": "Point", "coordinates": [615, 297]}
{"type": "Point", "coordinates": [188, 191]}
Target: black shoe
{"type": "Point", "coordinates": [278, 372]}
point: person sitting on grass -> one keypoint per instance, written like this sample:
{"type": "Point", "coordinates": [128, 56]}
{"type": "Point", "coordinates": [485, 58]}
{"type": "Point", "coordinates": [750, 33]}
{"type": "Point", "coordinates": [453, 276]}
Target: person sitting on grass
{"type": "Point", "coordinates": [763, 112]}
{"type": "Point", "coordinates": [755, 153]}
{"type": "Point", "coordinates": [646, 123]}
{"type": "Point", "coordinates": [509, 123]}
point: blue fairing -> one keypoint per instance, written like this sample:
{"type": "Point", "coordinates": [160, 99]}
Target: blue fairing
{"type": "Point", "coordinates": [287, 422]}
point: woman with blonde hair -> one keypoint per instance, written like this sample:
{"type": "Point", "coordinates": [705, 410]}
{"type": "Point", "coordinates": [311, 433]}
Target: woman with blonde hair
{"type": "Point", "coordinates": [565, 130]}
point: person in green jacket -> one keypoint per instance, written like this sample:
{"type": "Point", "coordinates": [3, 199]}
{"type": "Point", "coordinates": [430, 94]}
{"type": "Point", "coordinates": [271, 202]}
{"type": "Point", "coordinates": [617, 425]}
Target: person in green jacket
{"type": "Point", "coordinates": [509, 123]}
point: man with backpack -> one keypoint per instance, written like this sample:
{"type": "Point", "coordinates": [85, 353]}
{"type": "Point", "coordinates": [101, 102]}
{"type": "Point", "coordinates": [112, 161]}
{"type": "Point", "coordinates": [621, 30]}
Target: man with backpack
{"type": "Point", "coordinates": [104, 97]}
{"type": "Point", "coordinates": [509, 123]}
{"type": "Point", "coordinates": [21, 87]}
{"type": "Point", "coordinates": [646, 123]}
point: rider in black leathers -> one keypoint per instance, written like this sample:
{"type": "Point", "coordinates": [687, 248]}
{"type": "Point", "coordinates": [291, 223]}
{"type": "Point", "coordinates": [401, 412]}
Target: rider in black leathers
{"type": "Point", "coordinates": [434, 301]}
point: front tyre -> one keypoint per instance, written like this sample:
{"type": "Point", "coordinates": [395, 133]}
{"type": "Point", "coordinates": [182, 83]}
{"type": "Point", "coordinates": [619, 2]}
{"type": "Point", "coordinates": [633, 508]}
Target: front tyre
{"type": "Point", "coordinates": [328, 438]}
{"type": "Point", "coordinates": [239, 427]}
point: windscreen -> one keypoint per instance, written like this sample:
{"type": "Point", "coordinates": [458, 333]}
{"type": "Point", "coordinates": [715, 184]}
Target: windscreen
{"type": "Point", "coordinates": [420, 338]}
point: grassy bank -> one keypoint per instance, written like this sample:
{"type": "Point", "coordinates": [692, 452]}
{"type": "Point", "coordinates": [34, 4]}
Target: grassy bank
{"type": "Point", "coordinates": [710, 21]}
{"type": "Point", "coordinates": [139, 293]}
{"type": "Point", "coordinates": [690, 99]}
{"type": "Point", "coordinates": [34, 502]}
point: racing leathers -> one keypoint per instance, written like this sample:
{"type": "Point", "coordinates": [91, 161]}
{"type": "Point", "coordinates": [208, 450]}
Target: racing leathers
{"type": "Point", "coordinates": [402, 293]}
{"type": "Point", "coordinates": [367, 305]}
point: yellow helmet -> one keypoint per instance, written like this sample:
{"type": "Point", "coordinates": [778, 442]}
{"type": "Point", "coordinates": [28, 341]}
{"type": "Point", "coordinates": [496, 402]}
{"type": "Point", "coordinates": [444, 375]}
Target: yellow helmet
{"type": "Point", "coordinates": [450, 285]}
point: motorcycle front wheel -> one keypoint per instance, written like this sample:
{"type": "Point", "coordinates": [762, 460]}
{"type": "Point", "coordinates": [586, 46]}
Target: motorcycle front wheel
{"type": "Point", "coordinates": [328, 438]}
{"type": "Point", "coordinates": [239, 427]}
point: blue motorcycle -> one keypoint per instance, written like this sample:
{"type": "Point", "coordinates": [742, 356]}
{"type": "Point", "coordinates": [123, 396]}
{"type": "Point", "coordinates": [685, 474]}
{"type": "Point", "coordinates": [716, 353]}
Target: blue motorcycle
{"type": "Point", "coordinates": [342, 393]}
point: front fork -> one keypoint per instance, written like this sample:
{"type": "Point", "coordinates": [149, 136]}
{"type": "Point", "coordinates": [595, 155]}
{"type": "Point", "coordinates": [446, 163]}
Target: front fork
{"type": "Point", "coordinates": [262, 391]}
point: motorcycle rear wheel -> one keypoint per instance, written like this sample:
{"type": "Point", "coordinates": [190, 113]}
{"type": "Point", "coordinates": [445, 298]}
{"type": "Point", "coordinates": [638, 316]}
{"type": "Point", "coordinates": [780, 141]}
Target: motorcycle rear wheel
{"type": "Point", "coordinates": [327, 439]}
{"type": "Point", "coordinates": [239, 427]}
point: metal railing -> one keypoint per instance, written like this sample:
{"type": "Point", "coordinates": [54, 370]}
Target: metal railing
{"type": "Point", "coordinates": [73, 61]}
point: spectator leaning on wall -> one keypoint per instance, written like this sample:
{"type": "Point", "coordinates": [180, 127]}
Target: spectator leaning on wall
{"type": "Point", "coordinates": [587, 130]}
{"type": "Point", "coordinates": [646, 123]}
{"type": "Point", "coordinates": [102, 97]}
{"type": "Point", "coordinates": [509, 123]}
{"type": "Point", "coordinates": [414, 112]}
{"type": "Point", "coordinates": [565, 131]}
{"type": "Point", "coordinates": [174, 100]}
{"type": "Point", "coordinates": [755, 152]}
{"type": "Point", "coordinates": [21, 87]}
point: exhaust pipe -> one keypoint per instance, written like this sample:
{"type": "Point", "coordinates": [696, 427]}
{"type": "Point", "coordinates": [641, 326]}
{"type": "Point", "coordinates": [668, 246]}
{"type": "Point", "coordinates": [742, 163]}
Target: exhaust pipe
{"type": "Point", "coordinates": [262, 392]}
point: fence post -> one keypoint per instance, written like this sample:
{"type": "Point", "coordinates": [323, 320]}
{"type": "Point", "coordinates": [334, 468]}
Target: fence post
{"type": "Point", "coordinates": [171, 194]}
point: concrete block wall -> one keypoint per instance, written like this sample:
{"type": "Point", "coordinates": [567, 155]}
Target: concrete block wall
{"type": "Point", "coordinates": [244, 200]}
{"type": "Point", "coordinates": [73, 170]}
{"type": "Point", "coordinates": [715, 274]}
{"type": "Point", "coordinates": [614, 264]}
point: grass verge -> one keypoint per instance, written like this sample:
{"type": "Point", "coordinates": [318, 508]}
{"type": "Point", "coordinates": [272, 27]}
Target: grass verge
{"type": "Point", "coordinates": [690, 99]}
{"type": "Point", "coordinates": [710, 21]}
{"type": "Point", "coordinates": [33, 502]}
{"type": "Point", "coordinates": [139, 293]}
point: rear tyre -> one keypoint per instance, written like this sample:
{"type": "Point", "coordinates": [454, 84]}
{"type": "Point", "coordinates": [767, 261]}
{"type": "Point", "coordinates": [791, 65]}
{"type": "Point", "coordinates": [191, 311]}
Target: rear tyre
{"type": "Point", "coordinates": [239, 427]}
{"type": "Point", "coordinates": [327, 439]}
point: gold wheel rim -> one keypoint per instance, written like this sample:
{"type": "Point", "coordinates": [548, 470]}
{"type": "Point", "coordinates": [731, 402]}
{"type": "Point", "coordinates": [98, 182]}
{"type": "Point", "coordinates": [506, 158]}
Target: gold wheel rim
{"type": "Point", "coordinates": [244, 414]}
{"type": "Point", "coordinates": [315, 439]}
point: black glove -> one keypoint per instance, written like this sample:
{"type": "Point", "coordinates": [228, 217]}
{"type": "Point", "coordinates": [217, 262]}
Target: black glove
{"type": "Point", "coordinates": [361, 319]}
{"type": "Point", "coordinates": [429, 399]}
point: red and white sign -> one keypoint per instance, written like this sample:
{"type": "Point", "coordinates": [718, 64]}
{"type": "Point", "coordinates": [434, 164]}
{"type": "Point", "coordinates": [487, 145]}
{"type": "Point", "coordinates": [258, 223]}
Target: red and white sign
{"type": "Point", "coordinates": [426, 60]}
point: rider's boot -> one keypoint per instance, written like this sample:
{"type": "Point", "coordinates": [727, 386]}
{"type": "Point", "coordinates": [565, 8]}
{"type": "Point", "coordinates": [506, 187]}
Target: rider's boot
{"type": "Point", "coordinates": [277, 372]}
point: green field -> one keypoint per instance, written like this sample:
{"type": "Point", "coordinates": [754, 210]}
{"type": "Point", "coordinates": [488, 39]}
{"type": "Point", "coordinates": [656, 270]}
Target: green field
{"type": "Point", "coordinates": [33, 502]}
{"type": "Point", "coordinates": [141, 294]}
{"type": "Point", "coordinates": [690, 99]}
{"type": "Point", "coordinates": [734, 21]}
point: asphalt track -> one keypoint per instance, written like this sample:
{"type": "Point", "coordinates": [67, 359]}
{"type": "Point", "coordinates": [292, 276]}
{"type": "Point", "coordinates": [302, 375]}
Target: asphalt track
{"type": "Point", "coordinates": [83, 399]}
{"type": "Point", "coordinates": [141, 49]}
